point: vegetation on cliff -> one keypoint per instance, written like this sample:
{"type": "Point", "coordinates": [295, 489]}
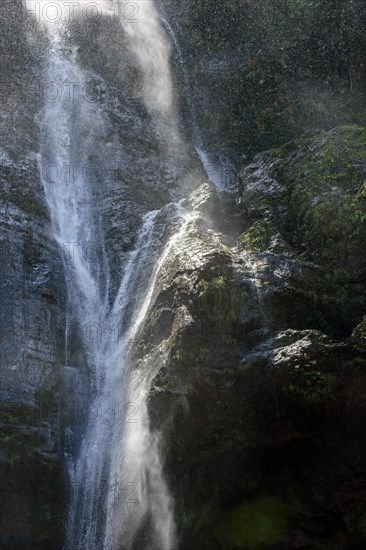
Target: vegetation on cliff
{"type": "Point", "coordinates": [283, 66]}
{"type": "Point", "coordinates": [281, 395]}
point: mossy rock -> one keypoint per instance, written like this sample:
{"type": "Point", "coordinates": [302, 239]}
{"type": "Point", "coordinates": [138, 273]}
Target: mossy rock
{"type": "Point", "coordinates": [306, 382]}
{"type": "Point", "coordinates": [264, 521]}
{"type": "Point", "coordinates": [218, 304]}
{"type": "Point", "coordinates": [258, 236]}
{"type": "Point", "coordinates": [320, 211]}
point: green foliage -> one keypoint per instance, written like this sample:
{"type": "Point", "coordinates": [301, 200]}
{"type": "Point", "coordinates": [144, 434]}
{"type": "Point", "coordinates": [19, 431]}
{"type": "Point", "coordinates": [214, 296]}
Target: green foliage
{"type": "Point", "coordinates": [307, 383]}
{"type": "Point", "coordinates": [258, 236]}
{"type": "Point", "coordinates": [253, 524]}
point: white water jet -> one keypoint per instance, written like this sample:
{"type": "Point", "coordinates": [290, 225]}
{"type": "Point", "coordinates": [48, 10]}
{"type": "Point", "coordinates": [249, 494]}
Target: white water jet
{"type": "Point", "coordinates": [139, 445]}
{"type": "Point", "coordinates": [213, 170]}
{"type": "Point", "coordinates": [70, 125]}
{"type": "Point", "coordinates": [186, 81]}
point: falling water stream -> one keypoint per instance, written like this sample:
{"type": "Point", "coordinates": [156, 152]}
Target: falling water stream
{"type": "Point", "coordinates": [118, 496]}
{"type": "Point", "coordinates": [213, 169]}
{"type": "Point", "coordinates": [116, 480]}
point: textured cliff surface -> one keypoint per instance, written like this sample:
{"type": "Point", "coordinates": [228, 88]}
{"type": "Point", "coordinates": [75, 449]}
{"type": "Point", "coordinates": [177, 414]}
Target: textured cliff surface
{"type": "Point", "coordinates": [257, 319]}
{"type": "Point", "coordinates": [266, 386]}
{"type": "Point", "coordinates": [32, 301]}
{"type": "Point", "coordinates": [264, 71]}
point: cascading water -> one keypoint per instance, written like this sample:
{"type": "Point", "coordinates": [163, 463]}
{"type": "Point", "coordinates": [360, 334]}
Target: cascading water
{"type": "Point", "coordinates": [213, 169]}
{"type": "Point", "coordinates": [117, 485]}
{"type": "Point", "coordinates": [185, 77]}
{"type": "Point", "coordinates": [69, 126]}
{"type": "Point", "coordinates": [117, 479]}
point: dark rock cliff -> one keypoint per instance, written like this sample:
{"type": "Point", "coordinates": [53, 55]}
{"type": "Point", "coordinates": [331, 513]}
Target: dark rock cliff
{"type": "Point", "coordinates": [264, 71]}
{"type": "Point", "coordinates": [262, 375]}
{"type": "Point", "coordinates": [257, 317]}
{"type": "Point", "coordinates": [32, 301]}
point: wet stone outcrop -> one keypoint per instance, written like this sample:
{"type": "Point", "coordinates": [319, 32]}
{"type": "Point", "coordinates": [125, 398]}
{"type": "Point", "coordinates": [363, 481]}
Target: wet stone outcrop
{"type": "Point", "coordinates": [261, 392]}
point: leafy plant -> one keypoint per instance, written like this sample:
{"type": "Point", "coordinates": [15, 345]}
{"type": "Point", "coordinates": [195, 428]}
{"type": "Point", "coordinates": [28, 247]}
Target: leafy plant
{"type": "Point", "coordinates": [307, 383]}
{"type": "Point", "coordinates": [257, 237]}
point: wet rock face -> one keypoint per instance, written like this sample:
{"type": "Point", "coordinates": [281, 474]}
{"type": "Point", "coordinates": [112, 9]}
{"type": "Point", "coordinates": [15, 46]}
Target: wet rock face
{"type": "Point", "coordinates": [307, 200]}
{"type": "Point", "coordinates": [32, 302]}
{"type": "Point", "coordinates": [33, 298]}
{"type": "Point", "coordinates": [23, 44]}
{"type": "Point", "coordinates": [261, 393]}
{"type": "Point", "coordinates": [256, 79]}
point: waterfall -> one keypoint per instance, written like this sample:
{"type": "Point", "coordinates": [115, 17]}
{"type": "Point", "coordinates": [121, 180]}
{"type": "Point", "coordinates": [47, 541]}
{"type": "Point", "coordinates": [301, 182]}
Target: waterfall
{"type": "Point", "coordinates": [70, 127]}
{"type": "Point", "coordinates": [117, 479]}
{"type": "Point", "coordinates": [213, 169]}
{"type": "Point", "coordinates": [141, 447]}
{"type": "Point", "coordinates": [116, 476]}
{"type": "Point", "coordinates": [152, 51]}
{"type": "Point", "coordinates": [186, 82]}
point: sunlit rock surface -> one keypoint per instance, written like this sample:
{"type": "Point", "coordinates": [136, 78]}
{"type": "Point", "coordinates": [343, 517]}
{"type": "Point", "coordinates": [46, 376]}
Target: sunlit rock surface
{"type": "Point", "coordinates": [265, 387]}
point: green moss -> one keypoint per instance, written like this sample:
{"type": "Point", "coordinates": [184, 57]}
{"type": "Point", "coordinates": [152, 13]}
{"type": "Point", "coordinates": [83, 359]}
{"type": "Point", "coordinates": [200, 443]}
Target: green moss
{"type": "Point", "coordinates": [178, 355]}
{"type": "Point", "coordinates": [307, 383]}
{"type": "Point", "coordinates": [327, 161]}
{"type": "Point", "coordinates": [258, 236]}
{"type": "Point", "coordinates": [218, 304]}
{"type": "Point", "coordinates": [339, 152]}
{"type": "Point", "coordinates": [326, 194]}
